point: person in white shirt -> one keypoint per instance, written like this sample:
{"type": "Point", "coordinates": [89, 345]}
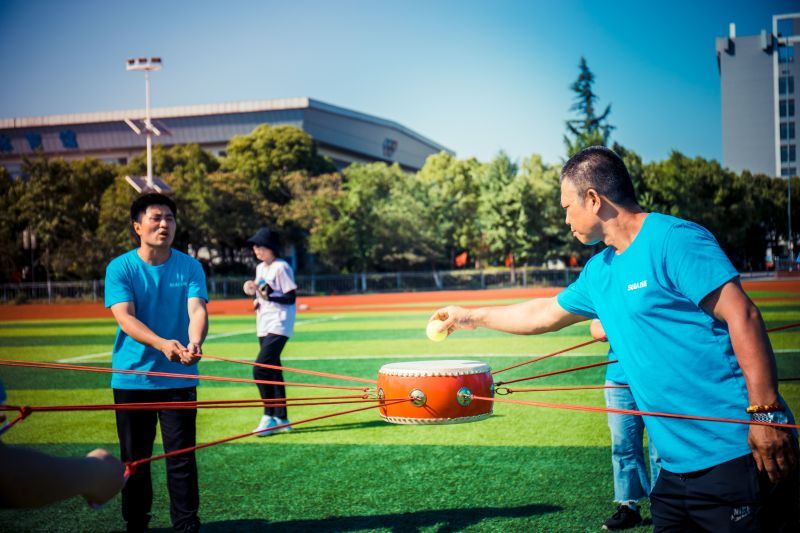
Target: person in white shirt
{"type": "Point", "coordinates": [275, 293]}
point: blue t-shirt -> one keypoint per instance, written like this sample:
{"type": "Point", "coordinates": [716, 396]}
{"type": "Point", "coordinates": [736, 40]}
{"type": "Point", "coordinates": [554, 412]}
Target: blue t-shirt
{"type": "Point", "coordinates": [2, 393]}
{"type": "Point", "coordinates": [677, 358]}
{"type": "Point", "coordinates": [614, 370]}
{"type": "Point", "coordinates": [160, 295]}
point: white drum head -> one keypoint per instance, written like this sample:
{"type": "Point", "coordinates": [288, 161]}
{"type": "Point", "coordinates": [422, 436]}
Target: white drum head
{"type": "Point", "coordinates": [434, 368]}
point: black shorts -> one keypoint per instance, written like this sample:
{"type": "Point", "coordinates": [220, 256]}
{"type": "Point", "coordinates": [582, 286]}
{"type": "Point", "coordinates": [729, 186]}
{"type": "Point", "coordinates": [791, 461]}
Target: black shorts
{"type": "Point", "coordinates": [732, 496]}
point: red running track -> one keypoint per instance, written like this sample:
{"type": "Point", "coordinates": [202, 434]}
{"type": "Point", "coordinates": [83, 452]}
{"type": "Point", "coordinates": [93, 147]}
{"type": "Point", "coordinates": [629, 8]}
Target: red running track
{"type": "Point", "coordinates": [348, 303]}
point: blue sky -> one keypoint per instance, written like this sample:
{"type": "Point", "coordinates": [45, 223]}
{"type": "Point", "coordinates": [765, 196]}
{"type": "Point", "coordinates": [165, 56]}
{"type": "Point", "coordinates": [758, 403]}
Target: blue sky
{"type": "Point", "coordinates": [475, 76]}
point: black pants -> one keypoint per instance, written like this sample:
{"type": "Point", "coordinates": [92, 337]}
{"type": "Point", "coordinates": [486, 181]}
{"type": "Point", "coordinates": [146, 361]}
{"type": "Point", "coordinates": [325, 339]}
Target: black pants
{"type": "Point", "coordinates": [732, 496]}
{"type": "Point", "coordinates": [137, 431]}
{"type": "Point", "coordinates": [270, 354]}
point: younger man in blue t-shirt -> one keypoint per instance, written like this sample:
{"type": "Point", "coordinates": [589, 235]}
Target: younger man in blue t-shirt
{"type": "Point", "coordinates": [689, 340]}
{"type": "Point", "coordinates": [158, 296]}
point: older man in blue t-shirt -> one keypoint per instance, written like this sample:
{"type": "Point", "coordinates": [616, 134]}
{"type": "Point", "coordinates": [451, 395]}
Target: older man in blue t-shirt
{"type": "Point", "coordinates": [690, 341]}
{"type": "Point", "coordinates": [158, 296]}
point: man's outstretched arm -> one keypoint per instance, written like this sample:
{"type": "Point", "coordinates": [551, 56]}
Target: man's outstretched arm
{"type": "Point", "coordinates": [534, 317]}
{"type": "Point", "coordinates": [32, 479]}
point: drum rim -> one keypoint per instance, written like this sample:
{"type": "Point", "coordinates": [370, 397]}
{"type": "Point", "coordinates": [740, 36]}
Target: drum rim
{"type": "Point", "coordinates": [479, 367]}
{"type": "Point", "coordinates": [435, 421]}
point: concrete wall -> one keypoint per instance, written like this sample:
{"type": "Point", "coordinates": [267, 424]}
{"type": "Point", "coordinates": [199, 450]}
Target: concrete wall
{"type": "Point", "coordinates": [748, 125]}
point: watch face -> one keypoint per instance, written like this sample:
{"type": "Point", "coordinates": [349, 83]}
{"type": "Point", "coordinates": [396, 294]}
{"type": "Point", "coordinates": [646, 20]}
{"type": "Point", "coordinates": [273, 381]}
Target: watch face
{"type": "Point", "coordinates": [779, 417]}
{"type": "Point", "coordinates": [774, 417]}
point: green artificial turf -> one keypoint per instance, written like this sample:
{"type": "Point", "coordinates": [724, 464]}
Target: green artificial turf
{"type": "Point", "coordinates": [523, 469]}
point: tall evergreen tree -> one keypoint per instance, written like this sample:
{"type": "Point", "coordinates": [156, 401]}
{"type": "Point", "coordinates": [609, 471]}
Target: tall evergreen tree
{"type": "Point", "coordinates": [588, 128]}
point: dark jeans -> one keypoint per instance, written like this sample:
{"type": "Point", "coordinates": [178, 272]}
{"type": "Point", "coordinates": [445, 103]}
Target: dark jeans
{"type": "Point", "coordinates": [270, 354]}
{"type": "Point", "coordinates": [137, 431]}
{"type": "Point", "coordinates": [732, 496]}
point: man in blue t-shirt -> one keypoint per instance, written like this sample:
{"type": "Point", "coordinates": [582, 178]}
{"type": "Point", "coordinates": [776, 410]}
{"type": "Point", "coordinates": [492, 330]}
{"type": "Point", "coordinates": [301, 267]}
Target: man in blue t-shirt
{"type": "Point", "coordinates": [690, 342]}
{"type": "Point", "coordinates": [158, 296]}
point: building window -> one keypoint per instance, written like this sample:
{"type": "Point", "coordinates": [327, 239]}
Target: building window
{"type": "Point", "coordinates": [788, 172]}
{"type": "Point", "coordinates": [787, 131]}
{"type": "Point", "coordinates": [787, 107]}
{"type": "Point", "coordinates": [786, 85]}
{"type": "Point", "coordinates": [5, 145]}
{"type": "Point", "coordinates": [69, 139]}
{"type": "Point", "coordinates": [122, 160]}
{"type": "Point", "coordinates": [788, 153]}
{"type": "Point", "coordinates": [34, 140]}
{"type": "Point", "coordinates": [389, 147]}
{"type": "Point", "coordinates": [786, 54]}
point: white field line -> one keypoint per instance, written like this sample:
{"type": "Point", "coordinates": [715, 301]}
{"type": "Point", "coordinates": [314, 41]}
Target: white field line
{"type": "Point", "coordinates": [83, 357]}
{"type": "Point", "coordinates": [90, 356]}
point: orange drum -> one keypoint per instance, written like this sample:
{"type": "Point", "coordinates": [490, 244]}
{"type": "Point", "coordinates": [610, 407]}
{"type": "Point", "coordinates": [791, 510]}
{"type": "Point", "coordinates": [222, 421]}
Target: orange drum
{"type": "Point", "coordinates": [441, 392]}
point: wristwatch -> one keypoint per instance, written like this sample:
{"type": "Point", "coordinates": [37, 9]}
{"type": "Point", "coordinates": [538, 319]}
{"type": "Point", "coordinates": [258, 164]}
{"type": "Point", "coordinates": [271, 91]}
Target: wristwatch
{"type": "Point", "coordinates": [772, 417]}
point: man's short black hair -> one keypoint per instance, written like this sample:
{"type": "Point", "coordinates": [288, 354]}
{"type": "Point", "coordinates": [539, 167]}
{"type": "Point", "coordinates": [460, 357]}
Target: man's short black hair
{"type": "Point", "coordinates": [141, 204]}
{"type": "Point", "coordinates": [601, 169]}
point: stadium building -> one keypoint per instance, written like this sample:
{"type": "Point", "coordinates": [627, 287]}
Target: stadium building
{"type": "Point", "coordinates": [758, 78]}
{"type": "Point", "coordinates": [344, 135]}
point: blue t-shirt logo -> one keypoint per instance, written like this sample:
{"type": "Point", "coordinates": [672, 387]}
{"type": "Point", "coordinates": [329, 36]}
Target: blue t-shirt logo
{"type": "Point", "coordinates": [638, 285]}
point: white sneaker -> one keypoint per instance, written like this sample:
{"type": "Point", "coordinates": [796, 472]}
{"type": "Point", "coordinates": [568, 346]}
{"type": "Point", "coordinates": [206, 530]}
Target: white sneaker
{"type": "Point", "coordinates": [266, 423]}
{"type": "Point", "coordinates": [280, 422]}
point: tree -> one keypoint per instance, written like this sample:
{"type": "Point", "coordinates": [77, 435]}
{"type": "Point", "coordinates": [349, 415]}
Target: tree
{"type": "Point", "coordinates": [59, 202]}
{"type": "Point", "coordinates": [373, 223]}
{"type": "Point", "coordinates": [449, 189]}
{"type": "Point", "coordinates": [739, 209]}
{"type": "Point", "coordinates": [114, 228]}
{"type": "Point", "coordinates": [270, 152]}
{"type": "Point", "coordinates": [230, 216]}
{"type": "Point", "coordinates": [539, 190]}
{"type": "Point", "coordinates": [185, 168]}
{"type": "Point", "coordinates": [503, 218]}
{"type": "Point", "coordinates": [11, 257]}
{"type": "Point", "coordinates": [588, 129]}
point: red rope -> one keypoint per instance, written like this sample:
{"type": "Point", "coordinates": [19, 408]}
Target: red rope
{"type": "Point", "coordinates": [546, 356]}
{"type": "Point", "coordinates": [551, 389]}
{"type": "Point", "coordinates": [634, 412]}
{"type": "Point", "coordinates": [131, 467]}
{"type": "Point", "coordinates": [581, 345]}
{"type": "Point", "coordinates": [175, 405]}
{"type": "Point", "coordinates": [290, 369]}
{"type": "Point", "coordinates": [555, 372]}
{"type": "Point", "coordinates": [206, 402]}
{"type": "Point", "coordinates": [781, 328]}
{"type": "Point", "coordinates": [59, 366]}
{"type": "Point", "coordinates": [23, 414]}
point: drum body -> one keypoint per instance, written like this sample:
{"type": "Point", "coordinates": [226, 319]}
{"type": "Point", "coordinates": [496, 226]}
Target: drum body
{"type": "Point", "coordinates": [441, 391]}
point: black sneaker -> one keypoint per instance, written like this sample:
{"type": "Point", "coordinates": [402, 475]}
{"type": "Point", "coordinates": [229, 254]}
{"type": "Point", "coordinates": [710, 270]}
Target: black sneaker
{"type": "Point", "coordinates": [624, 518]}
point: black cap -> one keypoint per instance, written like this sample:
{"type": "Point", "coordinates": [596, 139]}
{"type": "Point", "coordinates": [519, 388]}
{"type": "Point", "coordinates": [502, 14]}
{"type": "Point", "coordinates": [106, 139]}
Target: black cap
{"type": "Point", "coordinates": [267, 238]}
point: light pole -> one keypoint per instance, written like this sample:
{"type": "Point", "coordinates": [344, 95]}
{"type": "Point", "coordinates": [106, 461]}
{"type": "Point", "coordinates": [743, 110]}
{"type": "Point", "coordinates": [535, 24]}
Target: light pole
{"type": "Point", "coordinates": [147, 127]}
{"type": "Point", "coordinates": [789, 213]}
{"type": "Point", "coordinates": [146, 65]}
{"type": "Point", "coordinates": [784, 41]}
{"type": "Point", "coordinates": [29, 243]}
